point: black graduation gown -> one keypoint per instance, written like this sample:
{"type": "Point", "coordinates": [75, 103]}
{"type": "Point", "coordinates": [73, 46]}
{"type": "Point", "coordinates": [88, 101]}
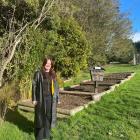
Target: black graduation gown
{"type": "Point", "coordinates": [41, 108]}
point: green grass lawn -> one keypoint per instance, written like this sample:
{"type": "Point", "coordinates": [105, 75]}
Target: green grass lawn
{"type": "Point", "coordinates": [115, 117]}
{"type": "Point", "coordinates": [76, 80]}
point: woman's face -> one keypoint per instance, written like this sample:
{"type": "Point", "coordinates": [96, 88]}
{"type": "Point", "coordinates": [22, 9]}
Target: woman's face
{"type": "Point", "coordinates": [48, 65]}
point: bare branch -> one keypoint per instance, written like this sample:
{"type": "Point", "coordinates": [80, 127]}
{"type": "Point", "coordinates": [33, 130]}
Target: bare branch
{"type": "Point", "coordinates": [8, 59]}
{"type": "Point", "coordinates": [11, 24]}
{"type": "Point", "coordinates": [15, 37]}
{"type": "Point", "coordinates": [43, 13]}
{"type": "Point", "coordinates": [21, 31]}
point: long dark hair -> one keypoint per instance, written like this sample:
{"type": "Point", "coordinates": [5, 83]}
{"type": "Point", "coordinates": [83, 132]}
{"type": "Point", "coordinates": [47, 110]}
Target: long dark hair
{"type": "Point", "coordinates": [52, 73]}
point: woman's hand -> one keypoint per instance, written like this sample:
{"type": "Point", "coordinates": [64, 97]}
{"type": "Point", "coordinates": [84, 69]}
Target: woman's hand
{"type": "Point", "coordinates": [34, 102]}
{"type": "Point", "coordinates": [59, 102]}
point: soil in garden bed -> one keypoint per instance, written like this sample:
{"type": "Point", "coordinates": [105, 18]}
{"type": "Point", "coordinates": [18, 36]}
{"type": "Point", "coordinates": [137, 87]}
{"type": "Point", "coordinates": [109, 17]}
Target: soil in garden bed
{"type": "Point", "coordinates": [71, 101]}
{"type": "Point", "coordinates": [117, 75]}
{"type": "Point", "coordinates": [88, 88]}
{"type": "Point", "coordinates": [109, 80]}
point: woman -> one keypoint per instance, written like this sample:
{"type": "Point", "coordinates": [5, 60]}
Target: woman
{"type": "Point", "coordinates": [45, 96]}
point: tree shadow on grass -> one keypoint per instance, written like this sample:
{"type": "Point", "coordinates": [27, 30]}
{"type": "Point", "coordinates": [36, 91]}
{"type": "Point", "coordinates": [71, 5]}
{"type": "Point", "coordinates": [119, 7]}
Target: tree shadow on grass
{"type": "Point", "coordinates": [13, 116]}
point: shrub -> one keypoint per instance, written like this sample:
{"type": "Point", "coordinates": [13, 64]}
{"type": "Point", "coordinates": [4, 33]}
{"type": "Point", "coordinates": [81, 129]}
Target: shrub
{"type": "Point", "coordinates": [68, 46]}
{"type": "Point", "coordinates": [8, 98]}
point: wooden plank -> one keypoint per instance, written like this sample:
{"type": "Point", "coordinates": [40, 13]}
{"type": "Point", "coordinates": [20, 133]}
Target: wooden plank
{"type": "Point", "coordinates": [63, 111]}
{"type": "Point", "coordinates": [59, 115]}
{"type": "Point", "coordinates": [62, 115]}
{"type": "Point", "coordinates": [26, 108]}
{"type": "Point", "coordinates": [99, 83]}
{"type": "Point", "coordinates": [76, 92]}
{"type": "Point", "coordinates": [26, 103]}
{"type": "Point", "coordinates": [75, 110]}
{"type": "Point", "coordinates": [31, 109]}
{"type": "Point", "coordinates": [113, 78]}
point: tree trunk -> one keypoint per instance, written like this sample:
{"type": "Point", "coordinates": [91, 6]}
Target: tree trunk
{"type": "Point", "coordinates": [134, 58]}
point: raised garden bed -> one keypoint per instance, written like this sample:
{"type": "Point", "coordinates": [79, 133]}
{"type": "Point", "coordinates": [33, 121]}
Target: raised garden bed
{"type": "Point", "coordinates": [119, 76]}
{"type": "Point", "coordinates": [70, 101]}
{"type": "Point", "coordinates": [74, 99]}
{"type": "Point", "coordinates": [88, 88]}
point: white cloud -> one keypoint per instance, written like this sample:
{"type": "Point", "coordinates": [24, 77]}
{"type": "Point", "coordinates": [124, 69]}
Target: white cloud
{"type": "Point", "coordinates": [136, 37]}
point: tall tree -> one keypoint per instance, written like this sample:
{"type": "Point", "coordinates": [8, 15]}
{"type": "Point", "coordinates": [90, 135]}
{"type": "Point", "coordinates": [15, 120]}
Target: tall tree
{"type": "Point", "coordinates": [13, 34]}
{"type": "Point", "coordinates": [104, 25]}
